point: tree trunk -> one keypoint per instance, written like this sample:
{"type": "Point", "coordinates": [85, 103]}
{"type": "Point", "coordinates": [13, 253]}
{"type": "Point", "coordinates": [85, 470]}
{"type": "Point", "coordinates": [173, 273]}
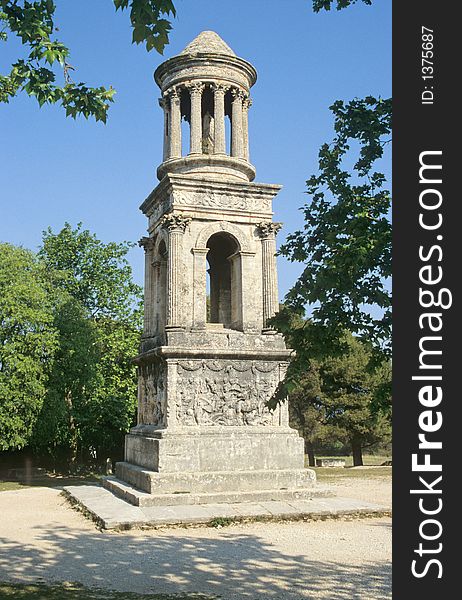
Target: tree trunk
{"type": "Point", "coordinates": [72, 429]}
{"type": "Point", "coordinates": [309, 450]}
{"type": "Point", "coordinates": [357, 450]}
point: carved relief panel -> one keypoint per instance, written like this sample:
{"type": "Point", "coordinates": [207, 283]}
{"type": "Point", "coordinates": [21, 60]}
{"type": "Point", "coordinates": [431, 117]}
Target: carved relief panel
{"type": "Point", "coordinates": [226, 392]}
{"type": "Point", "coordinates": [151, 394]}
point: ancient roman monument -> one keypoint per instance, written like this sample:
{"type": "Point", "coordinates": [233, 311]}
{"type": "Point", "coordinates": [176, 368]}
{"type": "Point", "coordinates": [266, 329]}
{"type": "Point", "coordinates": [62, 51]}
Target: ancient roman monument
{"type": "Point", "coordinates": [208, 360]}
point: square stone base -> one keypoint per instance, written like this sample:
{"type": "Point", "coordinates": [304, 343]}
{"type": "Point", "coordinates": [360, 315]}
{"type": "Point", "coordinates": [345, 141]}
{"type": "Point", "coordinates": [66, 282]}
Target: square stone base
{"type": "Point", "coordinates": [216, 464]}
{"type": "Point", "coordinates": [203, 449]}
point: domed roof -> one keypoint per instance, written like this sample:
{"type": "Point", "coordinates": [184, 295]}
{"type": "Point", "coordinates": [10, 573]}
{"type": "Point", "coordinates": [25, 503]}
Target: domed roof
{"type": "Point", "coordinates": [208, 42]}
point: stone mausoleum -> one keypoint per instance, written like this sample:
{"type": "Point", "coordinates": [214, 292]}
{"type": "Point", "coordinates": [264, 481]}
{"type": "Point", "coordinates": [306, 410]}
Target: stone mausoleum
{"type": "Point", "coordinates": [208, 361]}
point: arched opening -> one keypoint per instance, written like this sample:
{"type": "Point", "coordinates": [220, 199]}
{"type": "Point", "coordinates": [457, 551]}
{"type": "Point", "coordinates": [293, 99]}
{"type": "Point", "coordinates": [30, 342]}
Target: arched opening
{"type": "Point", "coordinates": [224, 272]}
{"type": "Point", "coordinates": [185, 107]}
{"type": "Point", "coordinates": [208, 121]}
{"type": "Point", "coordinates": [228, 111]}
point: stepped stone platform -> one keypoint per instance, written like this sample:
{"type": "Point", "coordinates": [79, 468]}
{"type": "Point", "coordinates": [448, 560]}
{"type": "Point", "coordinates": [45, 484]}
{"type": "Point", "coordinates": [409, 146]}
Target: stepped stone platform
{"type": "Point", "coordinates": [141, 486]}
{"type": "Point", "coordinates": [112, 512]}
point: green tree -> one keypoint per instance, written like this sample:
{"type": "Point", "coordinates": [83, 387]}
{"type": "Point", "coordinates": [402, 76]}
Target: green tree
{"type": "Point", "coordinates": [28, 342]}
{"type": "Point", "coordinates": [304, 415]}
{"type": "Point", "coordinates": [73, 382]}
{"type": "Point", "coordinates": [348, 387]}
{"type": "Point", "coordinates": [345, 247]}
{"type": "Point", "coordinates": [335, 398]}
{"type": "Point", "coordinates": [92, 389]}
{"type": "Point", "coordinates": [33, 22]}
{"type": "Point", "coordinates": [112, 410]}
{"type": "Point", "coordinates": [345, 244]}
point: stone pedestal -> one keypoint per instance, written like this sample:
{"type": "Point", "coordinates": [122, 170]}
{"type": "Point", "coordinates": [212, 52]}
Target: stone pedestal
{"type": "Point", "coordinates": [205, 431]}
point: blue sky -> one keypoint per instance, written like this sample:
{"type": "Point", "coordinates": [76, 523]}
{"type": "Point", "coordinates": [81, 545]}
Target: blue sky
{"type": "Point", "coordinates": [55, 169]}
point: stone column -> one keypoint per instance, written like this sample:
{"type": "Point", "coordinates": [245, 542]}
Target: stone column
{"type": "Point", "coordinates": [175, 125]}
{"type": "Point", "coordinates": [237, 148]}
{"type": "Point", "coordinates": [200, 288]}
{"type": "Point", "coordinates": [249, 307]}
{"type": "Point", "coordinates": [196, 118]}
{"type": "Point", "coordinates": [219, 92]}
{"type": "Point", "coordinates": [267, 231]}
{"type": "Point", "coordinates": [176, 225]}
{"type": "Point", "coordinates": [148, 244]}
{"type": "Point", "coordinates": [163, 103]}
{"type": "Point", "coordinates": [156, 292]}
{"type": "Point", "coordinates": [247, 103]}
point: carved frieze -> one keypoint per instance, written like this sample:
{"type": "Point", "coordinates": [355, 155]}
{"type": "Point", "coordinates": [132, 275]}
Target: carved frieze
{"type": "Point", "coordinates": [151, 396]}
{"type": "Point", "coordinates": [217, 201]}
{"type": "Point", "coordinates": [225, 392]}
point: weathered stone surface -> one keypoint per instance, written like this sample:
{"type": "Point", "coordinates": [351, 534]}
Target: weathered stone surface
{"type": "Point", "coordinates": [214, 449]}
{"type": "Point", "coordinates": [208, 362]}
{"type": "Point", "coordinates": [137, 497]}
{"type": "Point", "coordinates": [207, 42]}
{"type": "Point", "coordinates": [111, 512]}
{"type": "Point", "coordinates": [214, 481]}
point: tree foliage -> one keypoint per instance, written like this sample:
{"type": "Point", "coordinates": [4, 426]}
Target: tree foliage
{"type": "Point", "coordinates": [92, 393]}
{"type": "Point", "coordinates": [71, 319]}
{"type": "Point", "coordinates": [94, 273]}
{"type": "Point", "coordinates": [345, 247]}
{"type": "Point", "coordinates": [345, 244]}
{"type": "Point", "coordinates": [33, 22]}
{"type": "Point", "coordinates": [348, 389]}
{"type": "Point", "coordinates": [334, 400]}
{"type": "Point", "coordinates": [319, 5]}
{"type": "Point", "coordinates": [28, 343]}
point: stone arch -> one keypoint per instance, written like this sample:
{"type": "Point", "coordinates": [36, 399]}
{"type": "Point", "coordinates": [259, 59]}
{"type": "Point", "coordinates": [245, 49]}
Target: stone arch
{"type": "Point", "coordinates": [225, 279]}
{"type": "Point", "coordinates": [161, 236]}
{"type": "Point", "coordinates": [207, 231]}
{"type": "Point", "coordinates": [159, 282]}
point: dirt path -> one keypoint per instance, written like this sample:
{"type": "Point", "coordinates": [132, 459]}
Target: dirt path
{"type": "Point", "coordinates": [42, 538]}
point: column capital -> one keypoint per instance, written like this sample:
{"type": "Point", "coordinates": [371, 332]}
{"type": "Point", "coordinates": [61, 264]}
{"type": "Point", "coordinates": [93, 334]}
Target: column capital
{"type": "Point", "coordinates": [173, 94]}
{"type": "Point", "coordinates": [147, 243]}
{"type": "Point", "coordinates": [247, 103]}
{"type": "Point", "coordinates": [238, 94]}
{"type": "Point", "coordinates": [268, 229]}
{"type": "Point", "coordinates": [195, 87]}
{"type": "Point", "coordinates": [220, 88]}
{"type": "Point", "coordinates": [200, 251]}
{"type": "Point", "coordinates": [175, 223]}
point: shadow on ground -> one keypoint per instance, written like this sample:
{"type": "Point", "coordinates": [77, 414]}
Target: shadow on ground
{"type": "Point", "coordinates": [237, 565]}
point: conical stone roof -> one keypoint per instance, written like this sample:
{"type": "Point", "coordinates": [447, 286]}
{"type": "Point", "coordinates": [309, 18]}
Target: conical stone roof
{"type": "Point", "coordinates": [208, 42]}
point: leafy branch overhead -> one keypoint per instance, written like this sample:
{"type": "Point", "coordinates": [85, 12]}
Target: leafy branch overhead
{"type": "Point", "coordinates": [147, 22]}
{"type": "Point", "coordinates": [319, 5]}
{"type": "Point", "coordinates": [34, 24]}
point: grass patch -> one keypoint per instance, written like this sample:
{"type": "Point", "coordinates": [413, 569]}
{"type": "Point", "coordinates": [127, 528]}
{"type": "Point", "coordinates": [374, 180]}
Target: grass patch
{"type": "Point", "coordinates": [370, 460]}
{"type": "Point", "coordinates": [7, 486]}
{"type": "Point", "coordinates": [221, 522]}
{"type": "Point", "coordinates": [75, 591]}
{"type": "Point", "coordinates": [49, 480]}
{"type": "Point", "coordinates": [374, 472]}
{"type": "Point", "coordinates": [327, 473]}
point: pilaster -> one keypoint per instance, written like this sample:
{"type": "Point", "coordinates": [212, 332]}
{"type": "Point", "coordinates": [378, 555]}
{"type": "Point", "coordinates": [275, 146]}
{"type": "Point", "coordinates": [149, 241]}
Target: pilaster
{"type": "Point", "coordinates": [267, 231]}
{"type": "Point", "coordinates": [176, 225]}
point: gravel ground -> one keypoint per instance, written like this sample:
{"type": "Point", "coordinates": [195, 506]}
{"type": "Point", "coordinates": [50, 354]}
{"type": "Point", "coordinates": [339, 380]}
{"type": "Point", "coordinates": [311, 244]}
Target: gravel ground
{"type": "Point", "coordinates": [43, 539]}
